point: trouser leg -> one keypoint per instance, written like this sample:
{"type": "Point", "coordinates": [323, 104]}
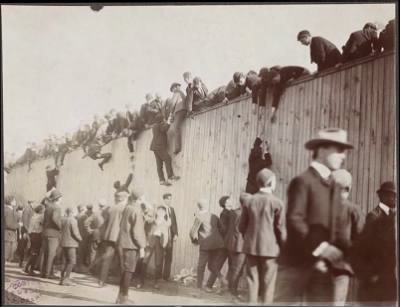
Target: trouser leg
{"type": "Point", "coordinates": [215, 264]}
{"type": "Point", "coordinates": [159, 163]}
{"type": "Point", "coordinates": [159, 258]}
{"type": "Point", "coordinates": [201, 267]}
{"type": "Point", "coordinates": [268, 269]}
{"type": "Point", "coordinates": [236, 266]}
{"type": "Point", "coordinates": [252, 278]}
{"type": "Point", "coordinates": [340, 289]}
{"type": "Point", "coordinates": [168, 261]}
{"type": "Point", "coordinates": [107, 257]}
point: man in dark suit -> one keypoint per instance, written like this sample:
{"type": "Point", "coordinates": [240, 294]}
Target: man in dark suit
{"type": "Point", "coordinates": [278, 77]}
{"type": "Point", "coordinates": [234, 244]}
{"type": "Point", "coordinates": [374, 254]}
{"type": "Point", "coordinates": [361, 43]}
{"type": "Point", "coordinates": [159, 145]}
{"type": "Point", "coordinates": [257, 163]}
{"type": "Point", "coordinates": [311, 216]}
{"type": "Point", "coordinates": [92, 227]}
{"type": "Point", "coordinates": [172, 237]}
{"type": "Point", "coordinates": [94, 152]}
{"type": "Point", "coordinates": [387, 37]}
{"type": "Point", "coordinates": [10, 231]}
{"type": "Point", "coordinates": [70, 238]}
{"type": "Point", "coordinates": [264, 233]}
{"type": "Point", "coordinates": [205, 232]}
{"type": "Point", "coordinates": [51, 232]}
{"type": "Point", "coordinates": [324, 53]}
{"type": "Point", "coordinates": [131, 243]}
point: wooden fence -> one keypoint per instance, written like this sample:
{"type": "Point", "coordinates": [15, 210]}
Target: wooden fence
{"type": "Point", "coordinates": [359, 97]}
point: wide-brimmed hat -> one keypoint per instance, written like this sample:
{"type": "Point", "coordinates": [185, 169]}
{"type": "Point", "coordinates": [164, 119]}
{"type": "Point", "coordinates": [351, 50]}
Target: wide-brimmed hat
{"type": "Point", "coordinates": [328, 136]}
{"type": "Point", "coordinates": [387, 186]}
{"type": "Point", "coordinates": [54, 195]}
{"type": "Point", "coordinates": [173, 85]}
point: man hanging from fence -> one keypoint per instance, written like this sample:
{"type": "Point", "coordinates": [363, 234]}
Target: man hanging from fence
{"type": "Point", "coordinates": [257, 161]}
{"type": "Point", "coordinates": [94, 152]}
{"type": "Point", "coordinates": [278, 77]}
{"type": "Point", "coordinates": [52, 175]}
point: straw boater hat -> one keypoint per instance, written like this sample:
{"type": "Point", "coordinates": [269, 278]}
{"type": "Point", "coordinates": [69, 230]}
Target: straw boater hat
{"type": "Point", "coordinates": [328, 136]}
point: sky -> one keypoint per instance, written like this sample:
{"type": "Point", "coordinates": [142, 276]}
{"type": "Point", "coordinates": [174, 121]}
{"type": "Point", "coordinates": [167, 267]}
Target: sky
{"type": "Point", "coordinates": [64, 64]}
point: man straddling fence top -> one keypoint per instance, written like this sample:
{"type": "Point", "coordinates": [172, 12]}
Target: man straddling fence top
{"type": "Point", "coordinates": [324, 53]}
{"type": "Point", "coordinates": [311, 211]}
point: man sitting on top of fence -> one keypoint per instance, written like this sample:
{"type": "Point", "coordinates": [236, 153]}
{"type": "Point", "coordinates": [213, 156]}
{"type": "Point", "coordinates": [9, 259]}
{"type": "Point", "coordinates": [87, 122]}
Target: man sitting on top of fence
{"type": "Point", "coordinates": [324, 53]}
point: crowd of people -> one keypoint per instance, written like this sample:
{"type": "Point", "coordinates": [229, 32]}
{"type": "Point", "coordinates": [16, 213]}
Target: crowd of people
{"type": "Point", "coordinates": [316, 243]}
{"type": "Point", "coordinates": [313, 247]}
{"type": "Point", "coordinates": [182, 104]}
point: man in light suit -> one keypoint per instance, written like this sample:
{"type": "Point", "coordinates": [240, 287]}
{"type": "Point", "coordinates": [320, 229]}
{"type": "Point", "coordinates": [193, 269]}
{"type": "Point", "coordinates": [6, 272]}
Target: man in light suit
{"type": "Point", "coordinates": [311, 216]}
{"type": "Point", "coordinates": [374, 254]}
{"type": "Point", "coordinates": [264, 233]}
{"type": "Point", "coordinates": [10, 231]}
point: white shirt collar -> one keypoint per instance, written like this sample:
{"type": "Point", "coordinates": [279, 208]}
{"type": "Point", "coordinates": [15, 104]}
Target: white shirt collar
{"type": "Point", "coordinates": [385, 208]}
{"type": "Point", "coordinates": [266, 190]}
{"type": "Point", "coordinates": [324, 171]}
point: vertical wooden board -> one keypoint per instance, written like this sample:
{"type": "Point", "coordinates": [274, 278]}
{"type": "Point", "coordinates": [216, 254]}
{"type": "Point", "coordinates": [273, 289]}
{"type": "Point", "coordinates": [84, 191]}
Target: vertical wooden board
{"type": "Point", "coordinates": [290, 135]}
{"type": "Point", "coordinates": [385, 122]}
{"type": "Point", "coordinates": [392, 120]}
{"type": "Point", "coordinates": [326, 88]}
{"type": "Point", "coordinates": [248, 141]}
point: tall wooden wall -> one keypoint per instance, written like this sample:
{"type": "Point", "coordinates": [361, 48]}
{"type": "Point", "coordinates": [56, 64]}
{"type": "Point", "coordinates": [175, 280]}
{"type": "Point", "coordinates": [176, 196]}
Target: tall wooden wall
{"type": "Point", "coordinates": [359, 97]}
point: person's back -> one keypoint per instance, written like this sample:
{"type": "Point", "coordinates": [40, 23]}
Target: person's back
{"type": "Point", "coordinates": [264, 225]}
{"type": "Point", "coordinates": [52, 220]}
{"type": "Point", "coordinates": [112, 225]}
{"type": "Point", "coordinates": [209, 235]}
{"type": "Point", "coordinates": [70, 235]}
{"type": "Point", "coordinates": [160, 139]}
{"type": "Point", "coordinates": [324, 53]}
{"type": "Point", "coordinates": [360, 44]}
{"type": "Point", "coordinates": [387, 37]}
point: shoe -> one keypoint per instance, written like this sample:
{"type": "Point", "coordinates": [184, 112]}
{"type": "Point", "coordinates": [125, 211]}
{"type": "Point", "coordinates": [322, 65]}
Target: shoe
{"type": "Point", "coordinates": [166, 183]}
{"type": "Point", "coordinates": [156, 286]}
{"type": "Point", "coordinates": [32, 273]}
{"type": "Point", "coordinates": [123, 300]}
{"type": "Point", "coordinates": [52, 277]}
{"type": "Point", "coordinates": [208, 289]}
{"type": "Point", "coordinates": [174, 178]}
{"type": "Point", "coordinates": [67, 282]}
{"type": "Point", "coordinates": [118, 300]}
{"type": "Point", "coordinates": [101, 166]}
{"type": "Point", "coordinates": [101, 284]}
{"type": "Point", "coordinates": [139, 286]}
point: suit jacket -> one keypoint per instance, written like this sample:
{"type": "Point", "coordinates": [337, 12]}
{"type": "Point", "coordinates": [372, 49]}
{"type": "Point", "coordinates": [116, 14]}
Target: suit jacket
{"type": "Point", "coordinates": [81, 218]}
{"type": "Point", "coordinates": [309, 218]}
{"type": "Point", "coordinates": [52, 221]}
{"type": "Point", "coordinates": [92, 226]}
{"type": "Point", "coordinates": [172, 216]}
{"type": "Point", "coordinates": [112, 223]}
{"type": "Point", "coordinates": [263, 225]}
{"type": "Point", "coordinates": [257, 163]}
{"type": "Point", "coordinates": [387, 36]}
{"type": "Point", "coordinates": [374, 252]}
{"type": "Point", "coordinates": [11, 220]}
{"type": "Point", "coordinates": [132, 234]}
{"type": "Point", "coordinates": [178, 101]}
{"type": "Point", "coordinates": [324, 53]}
{"type": "Point", "coordinates": [360, 44]}
{"type": "Point", "coordinates": [70, 236]}
{"type": "Point", "coordinates": [27, 214]}
{"type": "Point", "coordinates": [223, 222]}
{"type": "Point", "coordinates": [160, 139]}
{"type": "Point", "coordinates": [234, 238]}
{"type": "Point", "coordinates": [206, 230]}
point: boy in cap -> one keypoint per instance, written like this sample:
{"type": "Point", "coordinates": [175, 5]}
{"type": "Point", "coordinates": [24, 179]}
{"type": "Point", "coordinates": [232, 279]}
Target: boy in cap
{"type": "Point", "coordinates": [351, 222]}
{"type": "Point", "coordinates": [159, 145]}
{"type": "Point", "coordinates": [264, 233]}
{"type": "Point", "coordinates": [70, 238]}
{"type": "Point", "coordinates": [311, 210]}
{"type": "Point", "coordinates": [51, 232]}
{"type": "Point", "coordinates": [324, 53]}
{"type": "Point", "coordinates": [35, 235]}
{"type": "Point", "coordinates": [361, 43]}
{"type": "Point", "coordinates": [374, 254]}
{"type": "Point", "coordinates": [251, 83]}
{"type": "Point", "coordinates": [131, 242]}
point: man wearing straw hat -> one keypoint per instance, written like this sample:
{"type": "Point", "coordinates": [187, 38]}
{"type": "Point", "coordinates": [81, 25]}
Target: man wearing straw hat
{"type": "Point", "coordinates": [310, 216]}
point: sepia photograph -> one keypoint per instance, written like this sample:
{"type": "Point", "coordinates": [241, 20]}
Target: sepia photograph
{"type": "Point", "coordinates": [199, 154]}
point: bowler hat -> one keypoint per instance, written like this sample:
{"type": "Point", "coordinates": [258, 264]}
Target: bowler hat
{"type": "Point", "coordinates": [173, 85]}
{"type": "Point", "coordinates": [54, 195]}
{"type": "Point", "coordinates": [387, 186]}
{"type": "Point", "coordinates": [329, 136]}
